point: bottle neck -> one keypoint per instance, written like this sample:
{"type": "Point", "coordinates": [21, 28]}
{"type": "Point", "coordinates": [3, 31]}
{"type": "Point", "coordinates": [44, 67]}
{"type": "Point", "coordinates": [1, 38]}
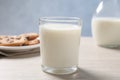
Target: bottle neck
{"type": "Point", "coordinates": [109, 8]}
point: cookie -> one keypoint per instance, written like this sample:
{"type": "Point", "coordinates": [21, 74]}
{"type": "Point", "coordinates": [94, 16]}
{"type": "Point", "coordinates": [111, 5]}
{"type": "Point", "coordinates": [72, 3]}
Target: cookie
{"type": "Point", "coordinates": [12, 40]}
{"type": "Point", "coordinates": [32, 42]}
{"type": "Point", "coordinates": [30, 36]}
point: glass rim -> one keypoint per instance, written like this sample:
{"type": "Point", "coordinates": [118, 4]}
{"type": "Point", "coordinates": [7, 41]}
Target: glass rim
{"type": "Point", "coordinates": [60, 19]}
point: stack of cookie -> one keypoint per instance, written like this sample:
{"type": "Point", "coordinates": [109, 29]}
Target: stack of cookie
{"type": "Point", "coordinates": [20, 40]}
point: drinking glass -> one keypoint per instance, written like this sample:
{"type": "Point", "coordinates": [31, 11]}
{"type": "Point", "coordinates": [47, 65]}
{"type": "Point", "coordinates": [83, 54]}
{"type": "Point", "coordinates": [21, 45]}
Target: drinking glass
{"type": "Point", "coordinates": [60, 41]}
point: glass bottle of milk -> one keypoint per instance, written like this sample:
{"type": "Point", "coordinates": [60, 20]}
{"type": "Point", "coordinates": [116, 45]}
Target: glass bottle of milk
{"type": "Point", "coordinates": [106, 24]}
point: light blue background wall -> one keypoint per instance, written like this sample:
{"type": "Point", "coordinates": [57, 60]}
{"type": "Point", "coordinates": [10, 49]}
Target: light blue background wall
{"type": "Point", "coordinates": [19, 16]}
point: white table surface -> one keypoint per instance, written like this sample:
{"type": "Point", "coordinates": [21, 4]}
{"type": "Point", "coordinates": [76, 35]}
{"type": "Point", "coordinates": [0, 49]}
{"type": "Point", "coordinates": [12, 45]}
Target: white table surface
{"type": "Point", "coordinates": [95, 63]}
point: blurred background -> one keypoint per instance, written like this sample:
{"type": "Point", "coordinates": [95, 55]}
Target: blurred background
{"type": "Point", "coordinates": [21, 16]}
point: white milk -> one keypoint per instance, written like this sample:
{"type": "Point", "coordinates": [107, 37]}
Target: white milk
{"type": "Point", "coordinates": [106, 31]}
{"type": "Point", "coordinates": [60, 44]}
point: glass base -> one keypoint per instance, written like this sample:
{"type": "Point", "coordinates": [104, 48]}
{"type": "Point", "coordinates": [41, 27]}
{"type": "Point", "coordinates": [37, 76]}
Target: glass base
{"type": "Point", "coordinates": [59, 71]}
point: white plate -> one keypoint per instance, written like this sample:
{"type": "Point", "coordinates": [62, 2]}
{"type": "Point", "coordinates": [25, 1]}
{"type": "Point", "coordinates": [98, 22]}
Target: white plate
{"type": "Point", "coordinates": [18, 48]}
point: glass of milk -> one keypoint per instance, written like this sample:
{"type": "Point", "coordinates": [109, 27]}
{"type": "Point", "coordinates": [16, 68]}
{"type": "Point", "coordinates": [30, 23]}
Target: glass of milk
{"type": "Point", "coordinates": [60, 42]}
{"type": "Point", "coordinates": [106, 24]}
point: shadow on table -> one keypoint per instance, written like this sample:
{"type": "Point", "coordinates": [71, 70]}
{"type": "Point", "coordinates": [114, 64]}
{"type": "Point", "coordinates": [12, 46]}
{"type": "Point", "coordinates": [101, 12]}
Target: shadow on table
{"type": "Point", "coordinates": [79, 75]}
{"type": "Point", "coordinates": [110, 48]}
{"type": "Point", "coordinates": [22, 56]}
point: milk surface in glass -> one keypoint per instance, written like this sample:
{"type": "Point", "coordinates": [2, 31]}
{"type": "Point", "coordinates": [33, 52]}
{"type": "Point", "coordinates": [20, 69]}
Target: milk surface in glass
{"type": "Point", "coordinates": [60, 44]}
